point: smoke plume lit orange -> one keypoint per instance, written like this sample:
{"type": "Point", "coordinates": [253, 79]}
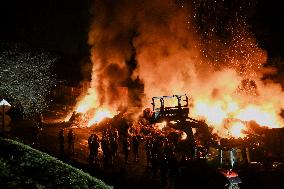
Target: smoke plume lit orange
{"type": "Point", "coordinates": [221, 71]}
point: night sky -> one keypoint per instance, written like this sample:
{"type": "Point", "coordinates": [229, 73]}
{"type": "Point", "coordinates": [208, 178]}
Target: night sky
{"type": "Point", "coordinates": [267, 25]}
{"type": "Point", "coordinates": [62, 26]}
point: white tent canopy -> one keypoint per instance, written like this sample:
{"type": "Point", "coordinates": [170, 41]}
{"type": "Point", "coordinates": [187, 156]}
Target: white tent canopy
{"type": "Point", "coordinates": [4, 103]}
{"type": "Point", "coordinates": [5, 120]}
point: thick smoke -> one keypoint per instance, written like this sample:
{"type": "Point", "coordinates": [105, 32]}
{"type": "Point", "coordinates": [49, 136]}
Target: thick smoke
{"type": "Point", "coordinates": [110, 38]}
{"type": "Point", "coordinates": [203, 48]}
{"type": "Point", "coordinates": [162, 36]}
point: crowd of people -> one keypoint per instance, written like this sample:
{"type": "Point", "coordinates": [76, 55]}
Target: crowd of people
{"type": "Point", "coordinates": [111, 146]}
{"type": "Point", "coordinates": [161, 158]}
{"type": "Point", "coordinates": [70, 142]}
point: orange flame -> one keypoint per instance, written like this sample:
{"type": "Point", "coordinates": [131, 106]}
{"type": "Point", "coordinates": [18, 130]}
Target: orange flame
{"type": "Point", "coordinates": [237, 129]}
{"type": "Point", "coordinates": [179, 58]}
{"type": "Point", "coordinates": [88, 102]}
{"type": "Point", "coordinates": [92, 111]}
{"type": "Point", "coordinates": [161, 125]}
{"type": "Point", "coordinates": [218, 112]}
{"type": "Point", "coordinates": [100, 114]}
{"type": "Point", "coordinates": [261, 116]}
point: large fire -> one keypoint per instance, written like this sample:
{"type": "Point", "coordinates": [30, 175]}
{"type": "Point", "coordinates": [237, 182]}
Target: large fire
{"type": "Point", "coordinates": [218, 113]}
{"type": "Point", "coordinates": [93, 115]}
{"type": "Point", "coordinates": [99, 115]}
{"type": "Point", "coordinates": [228, 117]}
{"type": "Point", "coordinates": [91, 111]}
{"type": "Point", "coordinates": [165, 46]}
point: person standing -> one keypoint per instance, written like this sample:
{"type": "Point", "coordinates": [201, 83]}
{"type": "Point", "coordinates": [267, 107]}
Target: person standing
{"type": "Point", "coordinates": [135, 144]}
{"type": "Point", "coordinates": [61, 142]}
{"type": "Point", "coordinates": [148, 148]}
{"type": "Point", "coordinates": [163, 169]}
{"type": "Point", "coordinates": [113, 148]}
{"type": "Point", "coordinates": [93, 143]}
{"type": "Point", "coordinates": [36, 130]}
{"type": "Point", "coordinates": [173, 169]}
{"type": "Point", "coordinates": [106, 150]}
{"type": "Point", "coordinates": [39, 120]}
{"type": "Point", "coordinates": [126, 149]}
{"type": "Point", "coordinates": [71, 141]}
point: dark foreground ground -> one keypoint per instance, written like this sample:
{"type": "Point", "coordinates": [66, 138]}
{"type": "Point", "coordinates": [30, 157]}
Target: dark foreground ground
{"type": "Point", "coordinates": [24, 167]}
{"type": "Point", "coordinates": [131, 174]}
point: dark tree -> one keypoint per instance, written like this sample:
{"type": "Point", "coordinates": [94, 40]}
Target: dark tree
{"type": "Point", "coordinates": [26, 79]}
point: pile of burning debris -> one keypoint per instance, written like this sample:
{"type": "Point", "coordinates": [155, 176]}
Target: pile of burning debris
{"type": "Point", "coordinates": [169, 119]}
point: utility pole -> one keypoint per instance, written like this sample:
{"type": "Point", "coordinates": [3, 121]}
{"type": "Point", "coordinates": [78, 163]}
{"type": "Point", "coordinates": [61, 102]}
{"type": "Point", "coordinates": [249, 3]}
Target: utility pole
{"type": "Point", "coordinates": [3, 115]}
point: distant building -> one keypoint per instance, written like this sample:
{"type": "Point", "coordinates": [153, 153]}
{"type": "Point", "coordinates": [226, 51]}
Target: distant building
{"type": "Point", "coordinates": [64, 93]}
{"type": "Point", "coordinates": [67, 94]}
{"type": "Point", "coordinates": [274, 142]}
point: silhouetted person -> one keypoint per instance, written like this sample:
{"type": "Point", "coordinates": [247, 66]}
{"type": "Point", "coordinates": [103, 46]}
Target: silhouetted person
{"type": "Point", "coordinates": [126, 148]}
{"type": "Point", "coordinates": [61, 141]}
{"type": "Point", "coordinates": [106, 150]}
{"type": "Point", "coordinates": [71, 141]}
{"type": "Point", "coordinates": [39, 120]}
{"type": "Point", "coordinates": [155, 147]}
{"type": "Point", "coordinates": [113, 148]}
{"type": "Point", "coordinates": [168, 148]}
{"type": "Point", "coordinates": [36, 130]}
{"type": "Point", "coordinates": [173, 168]}
{"type": "Point", "coordinates": [155, 165]}
{"type": "Point", "coordinates": [163, 170]}
{"type": "Point", "coordinates": [135, 144]}
{"type": "Point", "coordinates": [183, 163]}
{"type": "Point", "coordinates": [184, 172]}
{"type": "Point", "coordinates": [116, 134]}
{"type": "Point", "coordinates": [93, 143]}
{"type": "Point", "coordinates": [148, 148]}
